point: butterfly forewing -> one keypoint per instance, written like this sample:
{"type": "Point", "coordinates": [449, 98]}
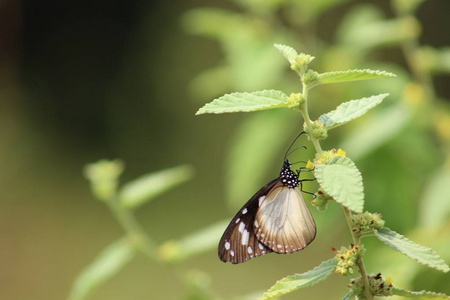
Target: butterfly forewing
{"type": "Point", "coordinates": [284, 223]}
{"type": "Point", "coordinates": [239, 242]}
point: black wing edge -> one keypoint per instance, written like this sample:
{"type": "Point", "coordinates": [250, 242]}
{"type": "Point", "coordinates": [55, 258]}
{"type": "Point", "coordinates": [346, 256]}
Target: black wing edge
{"type": "Point", "coordinates": [231, 246]}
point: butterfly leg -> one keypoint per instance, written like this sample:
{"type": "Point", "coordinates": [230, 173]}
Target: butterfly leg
{"type": "Point", "coordinates": [301, 187]}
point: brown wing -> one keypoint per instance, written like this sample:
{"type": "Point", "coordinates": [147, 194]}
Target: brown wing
{"type": "Point", "coordinates": [239, 242]}
{"type": "Point", "coordinates": [283, 222]}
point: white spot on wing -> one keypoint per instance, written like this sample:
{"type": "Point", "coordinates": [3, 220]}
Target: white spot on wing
{"type": "Point", "coordinates": [227, 245]}
{"type": "Point", "coordinates": [261, 199]}
{"type": "Point", "coordinates": [245, 236]}
{"type": "Point", "coordinates": [249, 250]}
{"type": "Point", "coordinates": [237, 220]}
{"type": "Point", "coordinates": [261, 246]}
{"type": "Point", "coordinates": [256, 223]}
{"type": "Point", "coordinates": [232, 253]}
{"type": "Point", "coordinates": [241, 227]}
{"type": "Point", "coordinates": [244, 211]}
{"type": "Point", "coordinates": [278, 246]}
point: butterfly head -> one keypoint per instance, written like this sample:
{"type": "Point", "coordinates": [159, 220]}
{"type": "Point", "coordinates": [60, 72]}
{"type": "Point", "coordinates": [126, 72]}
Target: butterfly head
{"type": "Point", "coordinates": [287, 176]}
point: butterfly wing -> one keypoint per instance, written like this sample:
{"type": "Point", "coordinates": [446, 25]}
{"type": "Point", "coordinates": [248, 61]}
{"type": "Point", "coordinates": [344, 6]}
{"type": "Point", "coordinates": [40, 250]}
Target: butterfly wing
{"type": "Point", "coordinates": [283, 222]}
{"type": "Point", "coordinates": [239, 242]}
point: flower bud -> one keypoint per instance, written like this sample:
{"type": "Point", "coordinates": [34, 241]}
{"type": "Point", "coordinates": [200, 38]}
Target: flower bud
{"type": "Point", "coordinates": [309, 77]}
{"type": "Point", "coordinates": [318, 130]}
{"type": "Point", "coordinates": [366, 222]}
{"type": "Point", "coordinates": [294, 100]}
{"type": "Point", "coordinates": [321, 200]}
{"type": "Point", "coordinates": [103, 176]}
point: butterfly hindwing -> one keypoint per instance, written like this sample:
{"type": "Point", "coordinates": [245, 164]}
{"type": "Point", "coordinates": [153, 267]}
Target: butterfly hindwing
{"type": "Point", "coordinates": [239, 242]}
{"type": "Point", "coordinates": [283, 221]}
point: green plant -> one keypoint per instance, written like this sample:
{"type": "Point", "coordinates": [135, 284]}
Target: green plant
{"type": "Point", "coordinates": [104, 180]}
{"type": "Point", "coordinates": [339, 180]}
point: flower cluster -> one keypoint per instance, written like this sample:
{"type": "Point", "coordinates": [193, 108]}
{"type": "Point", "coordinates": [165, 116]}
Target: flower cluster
{"type": "Point", "coordinates": [321, 200]}
{"type": "Point", "coordinates": [324, 157]}
{"type": "Point", "coordinates": [366, 222]}
{"type": "Point", "coordinates": [378, 286]}
{"type": "Point", "coordinates": [347, 258]}
{"type": "Point", "coordinates": [318, 130]}
{"type": "Point", "coordinates": [103, 176]}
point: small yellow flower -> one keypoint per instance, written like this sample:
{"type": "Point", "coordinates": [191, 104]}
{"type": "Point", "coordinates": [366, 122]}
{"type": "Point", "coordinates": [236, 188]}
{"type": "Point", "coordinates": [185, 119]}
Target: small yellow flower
{"type": "Point", "coordinates": [309, 164]}
{"type": "Point", "coordinates": [389, 279]}
{"type": "Point", "coordinates": [341, 152]}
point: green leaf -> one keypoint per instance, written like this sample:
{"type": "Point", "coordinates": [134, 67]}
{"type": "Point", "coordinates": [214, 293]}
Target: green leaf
{"type": "Point", "coordinates": [435, 205]}
{"type": "Point", "coordinates": [350, 75]}
{"type": "Point", "coordinates": [298, 281]}
{"type": "Point", "coordinates": [341, 179]}
{"type": "Point", "coordinates": [245, 102]}
{"type": "Point", "coordinates": [195, 243]}
{"type": "Point", "coordinates": [365, 27]}
{"type": "Point", "coordinates": [350, 110]}
{"type": "Point", "coordinates": [106, 265]}
{"type": "Point", "coordinates": [147, 187]}
{"type": "Point", "coordinates": [419, 295]}
{"type": "Point", "coordinates": [376, 130]}
{"type": "Point", "coordinates": [288, 52]}
{"type": "Point", "coordinates": [422, 254]}
{"type": "Point", "coordinates": [349, 295]}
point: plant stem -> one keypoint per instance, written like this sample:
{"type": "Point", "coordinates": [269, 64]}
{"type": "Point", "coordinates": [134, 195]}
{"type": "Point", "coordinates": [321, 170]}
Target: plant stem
{"type": "Point", "coordinates": [308, 122]}
{"type": "Point", "coordinates": [132, 228]}
{"type": "Point", "coordinates": [356, 238]}
{"type": "Point", "coordinates": [359, 263]}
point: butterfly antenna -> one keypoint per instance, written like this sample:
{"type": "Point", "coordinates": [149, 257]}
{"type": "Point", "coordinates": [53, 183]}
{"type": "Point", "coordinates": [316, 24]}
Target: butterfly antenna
{"type": "Point", "coordinates": [292, 144]}
{"type": "Point", "coordinates": [304, 147]}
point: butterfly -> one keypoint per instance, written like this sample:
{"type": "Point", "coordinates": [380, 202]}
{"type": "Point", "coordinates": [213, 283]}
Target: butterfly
{"type": "Point", "coordinates": [276, 219]}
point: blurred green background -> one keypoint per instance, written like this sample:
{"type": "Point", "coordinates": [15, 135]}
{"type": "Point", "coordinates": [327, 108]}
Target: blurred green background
{"type": "Point", "coordinates": [85, 80]}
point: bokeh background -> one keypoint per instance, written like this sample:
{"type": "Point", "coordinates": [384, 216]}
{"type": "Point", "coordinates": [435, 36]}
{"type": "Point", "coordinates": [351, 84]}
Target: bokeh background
{"type": "Point", "coordinates": [85, 80]}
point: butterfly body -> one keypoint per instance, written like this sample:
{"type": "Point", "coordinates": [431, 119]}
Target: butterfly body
{"type": "Point", "coordinates": [275, 219]}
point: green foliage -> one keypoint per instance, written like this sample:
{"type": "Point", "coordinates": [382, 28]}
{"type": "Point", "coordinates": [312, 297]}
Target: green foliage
{"type": "Point", "coordinates": [298, 281]}
{"type": "Point", "coordinates": [103, 177]}
{"type": "Point", "coordinates": [350, 110]}
{"type": "Point", "coordinates": [195, 243]}
{"type": "Point", "coordinates": [288, 52]}
{"type": "Point", "coordinates": [418, 295]}
{"type": "Point", "coordinates": [378, 130]}
{"type": "Point", "coordinates": [350, 75]}
{"type": "Point", "coordinates": [435, 207]}
{"type": "Point", "coordinates": [341, 179]}
{"type": "Point", "coordinates": [422, 254]}
{"type": "Point", "coordinates": [106, 265]}
{"type": "Point", "coordinates": [245, 102]}
{"type": "Point", "coordinates": [149, 186]}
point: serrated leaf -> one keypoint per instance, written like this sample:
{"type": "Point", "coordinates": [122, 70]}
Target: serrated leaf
{"type": "Point", "coordinates": [106, 265]}
{"type": "Point", "coordinates": [349, 295]}
{"type": "Point", "coordinates": [298, 281]}
{"type": "Point", "coordinates": [422, 254]}
{"type": "Point", "coordinates": [193, 244]}
{"type": "Point", "coordinates": [245, 102]}
{"type": "Point", "coordinates": [419, 295]}
{"type": "Point", "coordinates": [341, 179]}
{"type": "Point", "coordinates": [147, 187]}
{"type": "Point", "coordinates": [380, 128]}
{"type": "Point", "coordinates": [350, 75]}
{"type": "Point", "coordinates": [350, 110]}
{"type": "Point", "coordinates": [288, 52]}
